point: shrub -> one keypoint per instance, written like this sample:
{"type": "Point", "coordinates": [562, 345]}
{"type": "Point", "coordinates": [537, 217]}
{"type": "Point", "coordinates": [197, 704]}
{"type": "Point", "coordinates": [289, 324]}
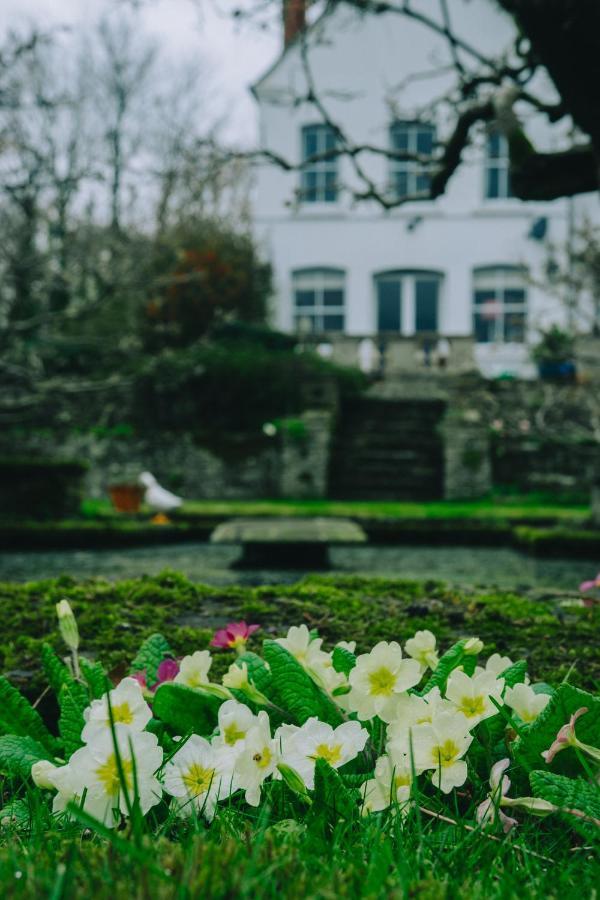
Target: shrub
{"type": "Point", "coordinates": [39, 488]}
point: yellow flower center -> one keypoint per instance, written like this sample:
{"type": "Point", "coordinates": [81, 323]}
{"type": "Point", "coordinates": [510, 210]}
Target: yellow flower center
{"type": "Point", "coordinates": [122, 713]}
{"type": "Point", "coordinates": [472, 706]}
{"type": "Point", "coordinates": [263, 758]}
{"type": "Point", "coordinates": [108, 774]}
{"type": "Point", "coordinates": [232, 734]}
{"type": "Point", "coordinates": [197, 779]}
{"type": "Point", "coordinates": [401, 781]}
{"type": "Point", "coordinates": [195, 679]}
{"type": "Point", "coordinates": [331, 754]}
{"type": "Point", "coordinates": [445, 754]}
{"type": "Point", "coordinates": [382, 682]}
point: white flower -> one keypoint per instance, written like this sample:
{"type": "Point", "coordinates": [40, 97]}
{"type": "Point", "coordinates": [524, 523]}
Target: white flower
{"type": "Point", "coordinates": [324, 674]}
{"type": "Point", "coordinates": [199, 775]}
{"type": "Point", "coordinates": [350, 646]}
{"type": "Point", "coordinates": [128, 708]}
{"type": "Point", "coordinates": [472, 696]}
{"type": "Point", "coordinates": [411, 710]}
{"type": "Point", "coordinates": [257, 760]}
{"type": "Point", "coordinates": [422, 648]}
{"type": "Point", "coordinates": [496, 664]}
{"type": "Point", "coordinates": [41, 774]}
{"type": "Point", "coordinates": [235, 721]}
{"type": "Point", "coordinates": [94, 769]}
{"type": "Point", "coordinates": [309, 654]}
{"type": "Point", "coordinates": [525, 702]}
{"type": "Point", "coordinates": [473, 646]}
{"type": "Point", "coordinates": [378, 678]}
{"type": "Point", "coordinates": [301, 747]}
{"type": "Point", "coordinates": [193, 669]}
{"type": "Point", "coordinates": [236, 676]}
{"type": "Point", "coordinates": [440, 745]}
{"type": "Point", "coordinates": [390, 785]}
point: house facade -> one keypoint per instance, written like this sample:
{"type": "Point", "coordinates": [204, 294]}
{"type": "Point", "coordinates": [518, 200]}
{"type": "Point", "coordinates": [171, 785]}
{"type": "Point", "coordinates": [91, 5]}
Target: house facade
{"type": "Point", "coordinates": [462, 277]}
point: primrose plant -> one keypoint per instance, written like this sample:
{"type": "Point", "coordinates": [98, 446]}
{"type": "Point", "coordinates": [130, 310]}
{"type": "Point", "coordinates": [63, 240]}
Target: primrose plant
{"type": "Point", "coordinates": [309, 731]}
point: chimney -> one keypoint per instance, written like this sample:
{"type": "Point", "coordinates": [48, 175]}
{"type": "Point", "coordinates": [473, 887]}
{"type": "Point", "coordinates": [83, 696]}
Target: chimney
{"type": "Point", "coordinates": [294, 19]}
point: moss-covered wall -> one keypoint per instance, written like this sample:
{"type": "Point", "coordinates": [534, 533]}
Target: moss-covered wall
{"type": "Point", "coordinates": [115, 617]}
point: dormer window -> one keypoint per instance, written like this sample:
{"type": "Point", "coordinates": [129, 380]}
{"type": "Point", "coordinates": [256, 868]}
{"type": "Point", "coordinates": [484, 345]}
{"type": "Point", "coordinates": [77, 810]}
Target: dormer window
{"type": "Point", "coordinates": [319, 174]}
{"type": "Point", "coordinates": [409, 177]}
{"type": "Point", "coordinates": [497, 167]}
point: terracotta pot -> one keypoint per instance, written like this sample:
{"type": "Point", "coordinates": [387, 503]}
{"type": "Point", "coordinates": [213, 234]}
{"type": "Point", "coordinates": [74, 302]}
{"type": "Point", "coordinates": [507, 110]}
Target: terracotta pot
{"type": "Point", "coordinates": [126, 498]}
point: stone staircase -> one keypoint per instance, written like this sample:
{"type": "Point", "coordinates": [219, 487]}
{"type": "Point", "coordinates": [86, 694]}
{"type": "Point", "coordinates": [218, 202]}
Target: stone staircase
{"type": "Point", "coordinates": [387, 450]}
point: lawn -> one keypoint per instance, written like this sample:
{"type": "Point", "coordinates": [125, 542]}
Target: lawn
{"type": "Point", "coordinates": [298, 842]}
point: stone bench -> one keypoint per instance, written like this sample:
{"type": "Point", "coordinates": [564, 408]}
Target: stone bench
{"type": "Point", "coordinates": [301, 543]}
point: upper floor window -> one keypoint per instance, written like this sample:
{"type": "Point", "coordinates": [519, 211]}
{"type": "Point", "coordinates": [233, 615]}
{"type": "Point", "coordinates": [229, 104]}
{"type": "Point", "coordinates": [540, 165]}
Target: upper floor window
{"type": "Point", "coordinates": [407, 176]}
{"type": "Point", "coordinates": [500, 304]}
{"type": "Point", "coordinates": [319, 176]}
{"type": "Point", "coordinates": [497, 167]}
{"type": "Point", "coordinates": [318, 296]}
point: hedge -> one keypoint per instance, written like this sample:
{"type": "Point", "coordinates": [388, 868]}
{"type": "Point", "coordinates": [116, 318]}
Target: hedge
{"type": "Point", "coordinates": [41, 488]}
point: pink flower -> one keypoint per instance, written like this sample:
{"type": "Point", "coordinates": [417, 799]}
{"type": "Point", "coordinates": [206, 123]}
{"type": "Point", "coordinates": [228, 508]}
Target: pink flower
{"type": "Point", "coordinates": [166, 671]}
{"type": "Point", "coordinates": [565, 736]}
{"type": "Point", "coordinates": [233, 636]}
{"type": "Point", "coordinates": [140, 677]}
{"type": "Point", "coordinates": [590, 585]}
{"type": "Point", "coordinates": [489, 810]}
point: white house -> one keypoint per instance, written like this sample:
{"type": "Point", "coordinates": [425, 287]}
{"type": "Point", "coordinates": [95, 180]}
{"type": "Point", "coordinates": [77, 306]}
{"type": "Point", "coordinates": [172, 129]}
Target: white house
{"type": "Point", "coordinates": [468, 267]}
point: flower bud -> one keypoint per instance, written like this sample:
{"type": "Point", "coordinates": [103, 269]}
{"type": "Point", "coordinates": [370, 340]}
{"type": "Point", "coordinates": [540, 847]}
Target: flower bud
{"type": "Point", "coordinates": [41, 772]}
{"type": "Point", "coordinates": [67, 624]}
{"type": "Point", "coordinates": [293, 780]}
{"type": "Point", "coordinates": [473, 646]}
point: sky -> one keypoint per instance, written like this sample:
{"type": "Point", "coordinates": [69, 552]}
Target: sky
{"type": "Point", "coordinates": [235, 53]}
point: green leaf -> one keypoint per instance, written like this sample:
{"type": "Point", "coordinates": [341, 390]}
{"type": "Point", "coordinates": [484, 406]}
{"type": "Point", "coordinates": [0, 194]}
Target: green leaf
{"type": "Point", "coordinates": [186, 709]}
{"type": "Point", "coordinates": [150, 655]}
{"type": "Point", "coordinates": [17, 716]}
{"type": "Point", "coordinates": [571, 794]}
{"type": "Point", "coordinates": [18, 753]}
{"type": "Point", "coordinates": [258, 671]}
{"type": "Point", "coordinates": [296, 691]}
{"type": "Point", "coordinates": [451, 659]}
{"type": "Point", "coordinates": [343, 660]}
{"type": "Point", "coordinates": [16, 816]}
{"type": "Point", "coordinates": [59, 675]}
{"type": "Point", "coordinates": [332, 794]}
{"type": "Point", "coordinates": [541, 733]}
{"type": "Point", "coordinates": [71, 721]}
{"type": "Point", "coordinates": [96, 678]}
{"type": "Point", "coordinates": [515, 674]}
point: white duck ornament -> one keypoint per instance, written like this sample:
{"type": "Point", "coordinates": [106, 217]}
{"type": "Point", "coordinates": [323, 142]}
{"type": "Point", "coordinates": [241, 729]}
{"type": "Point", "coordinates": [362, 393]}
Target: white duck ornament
{"type": "Point", "coordinates": [157, 497]}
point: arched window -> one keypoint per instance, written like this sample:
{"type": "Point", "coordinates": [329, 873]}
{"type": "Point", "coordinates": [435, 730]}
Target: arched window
{"type": "Point", "coordinates": [409, 177]}
{"type": "Point", "coordinates": [408, 302]}
{"type": "Point", "coordinates": [497, 167]}
{"type": "Point", "coordinates": [319, 301]}
{"type": "Point", "coordinates": [318, 176]}
{"type": "Point", "coordinates": [500, 304]}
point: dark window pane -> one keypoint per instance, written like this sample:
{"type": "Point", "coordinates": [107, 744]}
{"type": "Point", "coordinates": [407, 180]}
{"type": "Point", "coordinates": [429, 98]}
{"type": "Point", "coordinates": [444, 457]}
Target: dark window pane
{"type": "Point", "coordinates": [425, 140]}
{"type": "Point", "coordinates": [401, 184]}
{"type": "Point", "coordinates": [495, 146]}
{"type": "Point", "coordinates": [329, 138]}
{"type": "Point", "coordinates": [389, 305]}
{"type": "Point", "coordinates": [514, 295]}
{"type": "Point", "coordinates": [423, 183]}
{"type": "Point", "coordinates": [485, 296]}
{"type": "Point", "coordinates": [426, 304]}
{"type": "Point", "coordinates": [483, 328]}
{"type": "Point", "coordinates": [514, 327]}
{"type": "Point", "coordinates": [399, 138]}
{"type": "Point", "coordinates": [310, 143]}
{"type": "Point", "coordinates": [309, 186]}
{"type": "Point", "coordinates": [305, 298]}
{"type": "Point", "coordinates": [333, 323]}
{"type": "Point", "coordinates": [333, 297]}
{"type": "Point", "coordinates": [492, 183]}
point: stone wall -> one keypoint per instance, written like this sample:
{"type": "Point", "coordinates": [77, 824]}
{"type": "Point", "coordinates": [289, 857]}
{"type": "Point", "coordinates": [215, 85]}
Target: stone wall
{"type": "Point", "coordinates": [467, 458]}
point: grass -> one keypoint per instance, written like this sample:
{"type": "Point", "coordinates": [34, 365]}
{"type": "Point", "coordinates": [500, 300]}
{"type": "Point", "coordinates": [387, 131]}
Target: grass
{"type": "Point", "coordinates": [241, 857]}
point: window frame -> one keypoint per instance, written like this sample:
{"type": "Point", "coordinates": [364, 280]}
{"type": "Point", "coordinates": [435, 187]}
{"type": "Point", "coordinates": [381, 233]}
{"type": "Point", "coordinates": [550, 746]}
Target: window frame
{"type": "Point", "coordinates": [411, 170]}
{"type": "Point", "coordinates": [319, 169]}
{"type": "Point", "coordinates": [318, 280]}
{"type": "Point", "coordinates": [507, 278]}
{"type": "Point", "coordinates": [498, 163]}
{"type": "Point", "coordinates": [408, 279]}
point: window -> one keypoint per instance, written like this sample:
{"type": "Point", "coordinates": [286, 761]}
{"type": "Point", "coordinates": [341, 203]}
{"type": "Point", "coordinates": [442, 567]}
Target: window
{"type": "Point", "coordinates": [497, 167]}
{"type": "Point", "coordinates": [500, 305]}
{"type": "Point", "coordinates": [318, 179]}
{"type": "Point", "coordinates": [407, 302]}
{"type": "Point", "coordinates": [318, 300]}
{"type": "Point", "coordinates": [407, 176]}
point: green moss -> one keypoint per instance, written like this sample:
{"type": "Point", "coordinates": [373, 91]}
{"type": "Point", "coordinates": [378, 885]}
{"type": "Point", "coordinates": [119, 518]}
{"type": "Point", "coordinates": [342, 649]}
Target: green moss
{"type": "Point", "coordinates": [114, 618]}
{"type": "Point", "coordinates": [562, 541]}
